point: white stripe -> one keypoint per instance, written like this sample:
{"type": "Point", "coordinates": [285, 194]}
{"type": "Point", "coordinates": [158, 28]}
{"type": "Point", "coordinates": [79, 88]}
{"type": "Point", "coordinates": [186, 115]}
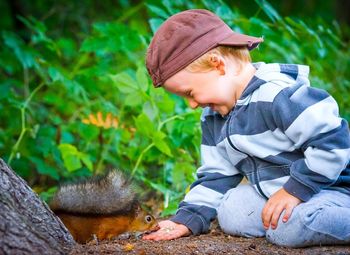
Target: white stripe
{"type": "Point", "coordinates": [214, 160]}
{"type": "Point", "coordinates": [327, 163]}
{"type": "Point", "coordinates": [266, 69]}
{"type": "Point", "coordinates": [303, 73]}
{"type": "Point", "coordinates": [234, 155]}
{"type": "Point", "coordinates": [201, 195]}
{"type": "Point", "coordinates": [271, 186]}
{"type": "Point", "coordinates": [262, 145]}
{"type": "Point", "coordinates": [266, 92]}
{"type": "Point", "coordinates": [316, 119]}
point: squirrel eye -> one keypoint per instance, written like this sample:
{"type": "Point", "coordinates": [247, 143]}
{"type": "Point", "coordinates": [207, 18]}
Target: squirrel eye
{"type": "Point", "coordinates": [148, 218]}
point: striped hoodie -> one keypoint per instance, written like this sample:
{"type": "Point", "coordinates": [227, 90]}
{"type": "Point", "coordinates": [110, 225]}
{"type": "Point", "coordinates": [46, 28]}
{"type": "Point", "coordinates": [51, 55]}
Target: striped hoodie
{"type": "Point", "coordinates": [281, 133]}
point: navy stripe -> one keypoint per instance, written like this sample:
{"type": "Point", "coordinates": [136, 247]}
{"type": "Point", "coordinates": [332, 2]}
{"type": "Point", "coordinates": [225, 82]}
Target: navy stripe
{"type": "Point", "coordinates": [287, 110]}
{"type": "Point", "coordinates": [218, 182]}
{"type": "Point", "coordinates": [309, 178]}
{"type": "Point", "coordinates": [245, 166]}
{"type": "Point", "coordinates": [213, 135]}
{"type": "Point", "coordinates": [196, 217]}
{"type": "Point", "coordinates": [207, 135]}
{"type": "Point", "coordinates": [273, 172]}
{"type": "Point", "coordinates": [291, 70]}
{"type": "Point", "coordinates": [251, 119]}
{"type": "Point", "coordinates": [344, 178]}
{"type": "Point", "coordinates": [285, 157]}
{"type": "Point", "coordinates": [266, 170]}
{"type": "Point", "coordinates": [254, 83]}
{"type": "Point", "coordinates": [337, 138]}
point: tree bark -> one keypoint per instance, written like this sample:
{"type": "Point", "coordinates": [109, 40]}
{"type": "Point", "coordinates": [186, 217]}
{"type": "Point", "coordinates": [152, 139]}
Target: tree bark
{"type": "Point", "coordinates": [27, 225]}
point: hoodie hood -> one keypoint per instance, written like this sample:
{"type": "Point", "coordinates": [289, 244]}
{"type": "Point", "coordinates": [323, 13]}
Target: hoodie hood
{"type": "Point", "coordinates": [283, 74]}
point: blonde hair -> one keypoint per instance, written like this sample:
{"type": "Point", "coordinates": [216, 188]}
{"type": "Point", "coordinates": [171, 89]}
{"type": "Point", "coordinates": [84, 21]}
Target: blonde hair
{"type": "Point", "coordinates": [205, 62]}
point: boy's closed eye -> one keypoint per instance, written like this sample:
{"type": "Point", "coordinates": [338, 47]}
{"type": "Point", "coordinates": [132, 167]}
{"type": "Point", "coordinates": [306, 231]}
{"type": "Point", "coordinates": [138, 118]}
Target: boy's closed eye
{"type": "Point", "coordinates": [188, 94]}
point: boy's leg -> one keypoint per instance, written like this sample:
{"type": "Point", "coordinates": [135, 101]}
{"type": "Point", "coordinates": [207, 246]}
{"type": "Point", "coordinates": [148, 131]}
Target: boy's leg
{"type": "Point", "coordinates": [240, 212]}
{"type": "Point", "coordinates": [324, 219]}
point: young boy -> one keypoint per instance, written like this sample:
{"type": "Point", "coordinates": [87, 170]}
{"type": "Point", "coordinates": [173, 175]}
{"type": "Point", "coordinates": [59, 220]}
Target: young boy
{"type": "Point", "coordinates": [260, 121]}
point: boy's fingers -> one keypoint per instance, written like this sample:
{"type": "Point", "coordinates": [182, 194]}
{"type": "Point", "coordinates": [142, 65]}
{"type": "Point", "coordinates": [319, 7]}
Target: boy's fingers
{"type": "Point", "coordinates": [287, 213]}
{"type": "Point", "coordinates": [275, 217]}
{"type": "Point", "coordinates": [167, 233]}
{"type": "Point", "coordinates": [266, 215]}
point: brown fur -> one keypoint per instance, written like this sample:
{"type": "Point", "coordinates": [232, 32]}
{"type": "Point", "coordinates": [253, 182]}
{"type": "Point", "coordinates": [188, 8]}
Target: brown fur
{"type": "Point", "coordinates": [84, 227]}
{"type": "Point", "coordinates": [102, 206]}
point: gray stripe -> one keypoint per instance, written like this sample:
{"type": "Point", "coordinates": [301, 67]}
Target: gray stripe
{"type": "Point", "coordinates": [217, 182]}
{"type": "Point", "coordinates": [287, 109]}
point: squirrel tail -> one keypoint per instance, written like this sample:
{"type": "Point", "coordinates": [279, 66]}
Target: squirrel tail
{"type": "Point", "coordinates": [108, 194]}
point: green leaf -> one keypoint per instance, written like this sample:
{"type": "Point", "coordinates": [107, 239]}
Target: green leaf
{"type": "Point", "coordinates": [171, 209]}
{"type": "Point", "coordinates": [158, 139]}
{"type": "Point", "coordinates": [151, 110]}
{"type": "Point", "coordinates": [23, 53]}
{"type": "Point", "coordinates": [160, 187]}
{"type": "Point", "coordinates": [67, 149]}
{"type": "Point", "coordinates": [92, 44]}
{"type": "Point", "coordinates": [182, 173]}
{"type": "Point", "coordinates": [43, 168]}
{"type": "Point", "coordinates": [158, 11]}
{"type": "Point", "coordinates": [55, 74]}
{"type": "Point", "coordinates": [141, 78]}
{"type": "Point", "coordinates": [72, 157]}
{"type": "Point", "coordinates": [155, 24]}
{"type": "Point", "coordinates": [133, 99]}
{"type": "Point", "coordinates": [86, 160]}
{"type": "Point", "coordinates": [124, 83]}
{"type": "Point", "coordinates": [88, 132]}
{"type": "Point", "coordinates": [269, 10]}
{"type": "Point", "coordinates": [144, 125]}
{"type": "Point", "coordinates": [72, 162]}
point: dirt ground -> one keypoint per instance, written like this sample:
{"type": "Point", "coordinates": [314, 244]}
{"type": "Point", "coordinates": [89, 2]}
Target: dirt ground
{"type": "Point", "coordinates": [216, 242]}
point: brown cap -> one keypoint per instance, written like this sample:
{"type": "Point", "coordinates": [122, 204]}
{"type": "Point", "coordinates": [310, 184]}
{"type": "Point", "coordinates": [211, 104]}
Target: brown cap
{"type": "Point", "coordinates": [186, 36]}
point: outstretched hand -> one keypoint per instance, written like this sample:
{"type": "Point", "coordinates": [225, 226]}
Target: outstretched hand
{"type": "Point", "coordinates": [274, 207]}
{"type": "Point", "coordinates": [168, 230]}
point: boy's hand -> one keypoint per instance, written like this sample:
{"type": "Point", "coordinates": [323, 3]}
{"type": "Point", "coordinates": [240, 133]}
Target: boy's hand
{"type": "Point", "coordinates": [278, 202]}
{"type": "Point", "coordinates": [168, 230]}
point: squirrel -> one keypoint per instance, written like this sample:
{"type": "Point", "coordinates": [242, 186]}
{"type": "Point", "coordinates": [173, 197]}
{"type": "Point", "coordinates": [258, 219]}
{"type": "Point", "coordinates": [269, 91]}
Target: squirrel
{"type": "Point", "coordinates": [103, 206]}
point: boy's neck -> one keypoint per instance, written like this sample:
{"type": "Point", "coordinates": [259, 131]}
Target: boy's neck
{"type": "Point", "coordinates": [246, 74]}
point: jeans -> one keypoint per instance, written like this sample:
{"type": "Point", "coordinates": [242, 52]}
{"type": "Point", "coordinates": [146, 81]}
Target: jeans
{"type": "Point", "coordinates": [324, 219]}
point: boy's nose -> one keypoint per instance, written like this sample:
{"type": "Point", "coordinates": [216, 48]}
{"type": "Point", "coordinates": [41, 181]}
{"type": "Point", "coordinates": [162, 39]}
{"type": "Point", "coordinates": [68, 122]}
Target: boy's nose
{"type": "Point", "coordinates": [193, 104]}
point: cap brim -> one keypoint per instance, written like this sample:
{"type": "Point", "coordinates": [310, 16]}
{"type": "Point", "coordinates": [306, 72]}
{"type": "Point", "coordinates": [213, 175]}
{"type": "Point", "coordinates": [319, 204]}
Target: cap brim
{"type": "Point", "coordinates": [236, 39]}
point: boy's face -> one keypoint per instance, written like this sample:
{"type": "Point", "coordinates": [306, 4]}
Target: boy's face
{"type": "Point", "coordinates": [216, 88]}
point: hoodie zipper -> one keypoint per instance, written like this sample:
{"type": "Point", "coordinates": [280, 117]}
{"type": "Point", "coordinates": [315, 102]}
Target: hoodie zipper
{"type": "Point", "coordinates": [255, 170]}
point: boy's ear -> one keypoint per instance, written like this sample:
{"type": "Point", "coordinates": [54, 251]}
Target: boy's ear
{"type": "Point", "coordinates": [218, 63]}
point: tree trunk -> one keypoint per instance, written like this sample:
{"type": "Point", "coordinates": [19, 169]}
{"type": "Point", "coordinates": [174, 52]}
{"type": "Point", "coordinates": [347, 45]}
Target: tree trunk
{"type": "Point", "coordinates": [27, 225]}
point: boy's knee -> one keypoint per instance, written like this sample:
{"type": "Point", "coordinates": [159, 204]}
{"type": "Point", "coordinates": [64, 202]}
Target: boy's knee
{"type": "Point", "coordinates": [286, 236]}
{"type": "Point", "coordinates": [237, 217]}
{"type": "Point", "coordinates": [289, 234]}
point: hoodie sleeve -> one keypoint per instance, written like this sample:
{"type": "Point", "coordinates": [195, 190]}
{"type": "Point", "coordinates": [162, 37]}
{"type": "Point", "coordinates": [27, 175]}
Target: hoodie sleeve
{"type": "Point", "coordinates": [309, 117]}
{"type": "Point", "coordinates": [215, 176]}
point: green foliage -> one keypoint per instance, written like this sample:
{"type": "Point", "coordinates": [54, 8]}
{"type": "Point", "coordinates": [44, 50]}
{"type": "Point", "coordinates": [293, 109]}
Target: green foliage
{"type": "Point", "coordinates": [72, 108]}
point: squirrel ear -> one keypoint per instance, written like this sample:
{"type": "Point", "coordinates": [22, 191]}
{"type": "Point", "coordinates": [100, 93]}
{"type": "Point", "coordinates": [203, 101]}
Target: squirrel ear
{"type": "Point", "coordinates": [138, 208]}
